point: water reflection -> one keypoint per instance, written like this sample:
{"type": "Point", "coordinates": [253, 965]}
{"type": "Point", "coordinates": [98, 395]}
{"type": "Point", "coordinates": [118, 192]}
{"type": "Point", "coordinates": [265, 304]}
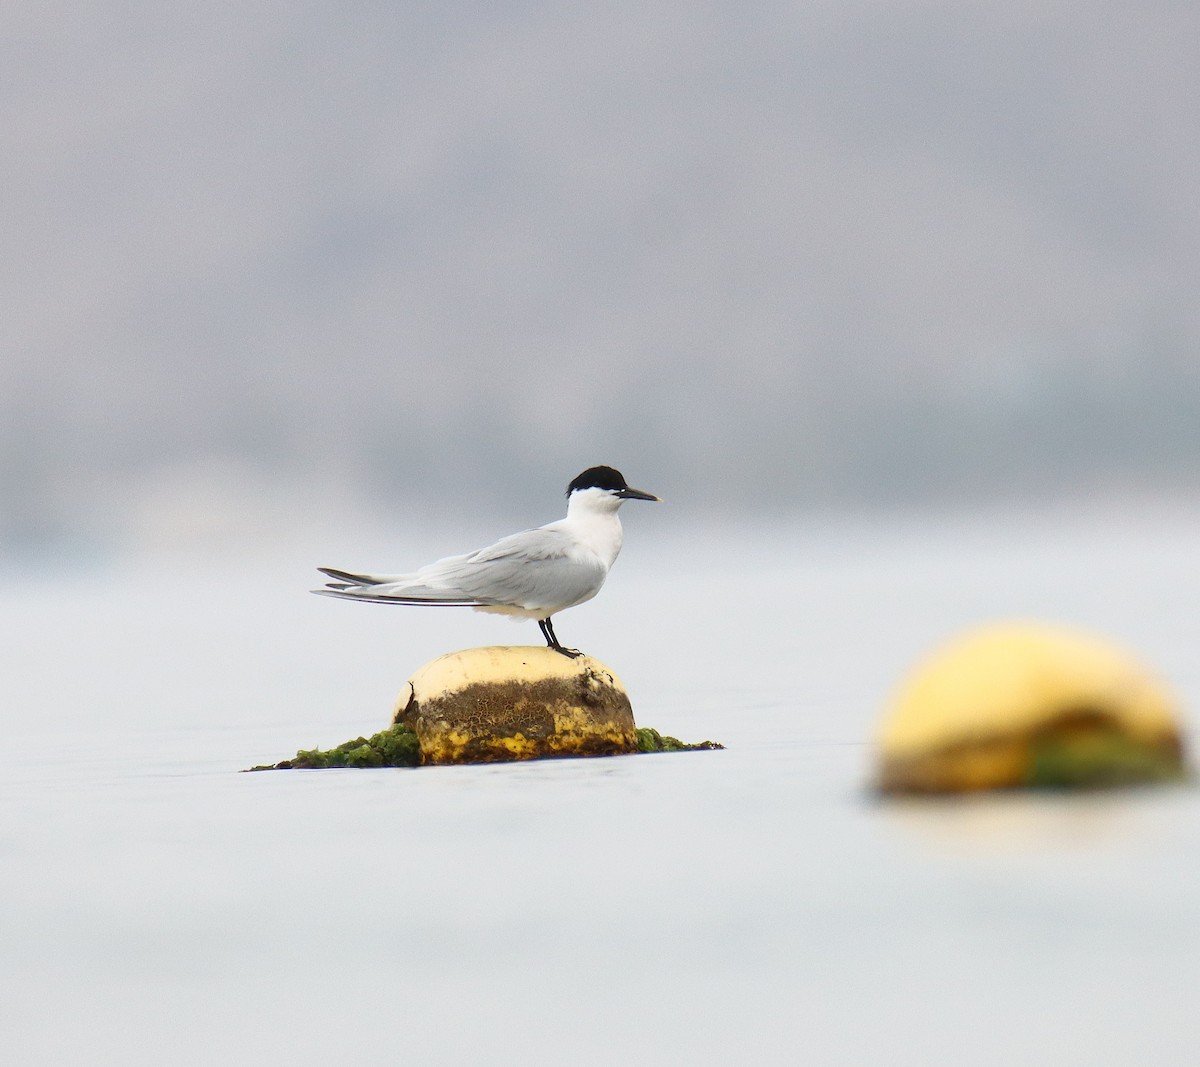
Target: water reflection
{"type": "Point", "coordinates": [1020, 823]}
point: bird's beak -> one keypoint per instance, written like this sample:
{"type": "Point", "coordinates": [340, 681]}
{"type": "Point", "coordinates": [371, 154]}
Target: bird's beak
{"type": "Point", "coordinates": [635, 494]}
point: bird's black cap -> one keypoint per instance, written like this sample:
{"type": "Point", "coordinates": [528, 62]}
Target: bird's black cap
{"type": "Point", "coordinates": [598, 478]}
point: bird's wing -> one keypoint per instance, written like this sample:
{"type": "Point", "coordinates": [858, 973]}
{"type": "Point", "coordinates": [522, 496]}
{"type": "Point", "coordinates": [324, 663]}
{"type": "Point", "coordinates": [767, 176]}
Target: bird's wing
{"type": "Point", "coordinates": [546, 542]}
{"type": "Point", "coordinates": [379, 595]}
{"type": "Point", "coordinates": [536, 569]}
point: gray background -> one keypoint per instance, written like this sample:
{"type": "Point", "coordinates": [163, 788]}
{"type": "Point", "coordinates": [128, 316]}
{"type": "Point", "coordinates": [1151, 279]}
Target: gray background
{"type": "Point", "coordinates": [264, 266]}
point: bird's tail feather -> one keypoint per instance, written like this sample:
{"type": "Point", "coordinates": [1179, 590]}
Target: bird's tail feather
{"type": "Point", "coordinates": [394, 589]}
{"type": "Point", "coordinates": [347, 579]}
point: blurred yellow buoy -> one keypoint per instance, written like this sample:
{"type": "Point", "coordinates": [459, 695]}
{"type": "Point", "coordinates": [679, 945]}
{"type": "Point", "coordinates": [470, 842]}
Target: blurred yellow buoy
{"type": "Point", "coordinates": [1026, 704]}
{"type": "Point", "coordinates": [516, 702]}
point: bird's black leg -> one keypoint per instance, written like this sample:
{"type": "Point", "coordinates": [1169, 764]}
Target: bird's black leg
{"type": "Point", "coordinates": [547, 628]}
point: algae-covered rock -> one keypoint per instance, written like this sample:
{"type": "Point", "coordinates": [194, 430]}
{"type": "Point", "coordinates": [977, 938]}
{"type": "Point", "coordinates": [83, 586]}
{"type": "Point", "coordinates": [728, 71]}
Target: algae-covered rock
{"type": "Point", "coordinates": [1028, 705]}
{"type": "Point", "coordinates": [483, 705]}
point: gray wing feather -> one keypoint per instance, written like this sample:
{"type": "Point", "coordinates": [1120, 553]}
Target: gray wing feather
{"type": "Point", "coordinates": [370, 596]}
{"type": "Point", "coordinates": [502, 573]}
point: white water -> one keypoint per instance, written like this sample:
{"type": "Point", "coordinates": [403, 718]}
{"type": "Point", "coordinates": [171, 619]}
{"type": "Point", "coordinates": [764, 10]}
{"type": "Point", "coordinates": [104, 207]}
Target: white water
{"type": "Point", "coordinates": [748, 906]}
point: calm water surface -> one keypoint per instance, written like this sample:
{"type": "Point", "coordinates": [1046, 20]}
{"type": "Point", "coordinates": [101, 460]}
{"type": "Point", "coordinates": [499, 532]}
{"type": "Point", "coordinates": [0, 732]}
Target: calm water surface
{"type": "Point", "coordinates": [748, 906]}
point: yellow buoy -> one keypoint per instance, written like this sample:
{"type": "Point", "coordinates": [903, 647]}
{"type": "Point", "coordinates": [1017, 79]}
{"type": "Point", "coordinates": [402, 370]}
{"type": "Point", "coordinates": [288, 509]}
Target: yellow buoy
{"type": "Point", "coordinates": [1027, 704]}
{"type": "Point", "coordinates": [516, 702]}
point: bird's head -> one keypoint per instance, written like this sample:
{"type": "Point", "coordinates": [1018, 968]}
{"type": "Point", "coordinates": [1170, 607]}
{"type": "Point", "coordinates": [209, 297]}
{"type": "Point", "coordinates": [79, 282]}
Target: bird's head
{"type": "Point", "coordinates": [603, 488]}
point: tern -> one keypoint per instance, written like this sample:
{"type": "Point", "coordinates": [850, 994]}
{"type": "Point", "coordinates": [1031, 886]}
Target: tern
{"type": "Point", "coordinates": [530, 575]}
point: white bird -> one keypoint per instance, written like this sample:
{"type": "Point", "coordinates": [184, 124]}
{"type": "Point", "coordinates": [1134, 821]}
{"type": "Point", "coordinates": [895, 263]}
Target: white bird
{"type": "Point", "coordinates": [529, 575]}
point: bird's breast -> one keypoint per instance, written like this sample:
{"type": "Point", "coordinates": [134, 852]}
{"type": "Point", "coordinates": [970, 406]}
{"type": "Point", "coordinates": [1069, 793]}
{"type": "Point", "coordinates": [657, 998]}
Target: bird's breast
{"type": "Point", "coordinates": [600, 539]}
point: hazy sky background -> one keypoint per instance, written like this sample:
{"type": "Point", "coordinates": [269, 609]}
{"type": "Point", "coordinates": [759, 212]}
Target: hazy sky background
{"type": "Point", "coordinates": [262, 263]}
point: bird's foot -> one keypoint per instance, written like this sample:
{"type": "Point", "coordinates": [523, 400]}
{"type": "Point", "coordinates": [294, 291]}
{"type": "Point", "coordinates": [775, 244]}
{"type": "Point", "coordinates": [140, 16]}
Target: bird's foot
{"type": "Point", "coordinates": [551, 637]}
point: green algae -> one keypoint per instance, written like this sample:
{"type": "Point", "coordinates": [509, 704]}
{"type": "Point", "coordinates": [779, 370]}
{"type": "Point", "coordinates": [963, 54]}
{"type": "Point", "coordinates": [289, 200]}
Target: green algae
{"type": "Point", "coordinates": [1102, 759]}
{"type": "Point", "coordinates": [399, 747]}
{"type": "Point", "coordinates": [394, 747]}
{"type": "Point", "coordinates": [650, 740]}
